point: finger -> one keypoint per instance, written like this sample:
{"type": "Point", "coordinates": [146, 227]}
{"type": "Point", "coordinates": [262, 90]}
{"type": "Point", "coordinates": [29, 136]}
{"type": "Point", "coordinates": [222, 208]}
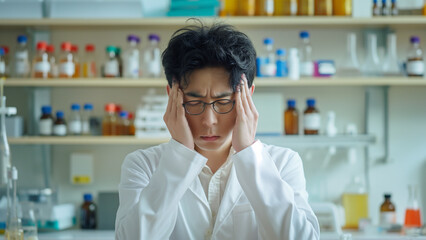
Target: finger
{"type": "Point", "coordinates": [238, 102]}
{"type": "Point", "coordinates": [174, 97]}
{"type": "Point", "coordinates": [249, 96]}
{"type": "Point", "coordinates": [180, 109]}
{"type": "Point", "coordinates": [244, 96]}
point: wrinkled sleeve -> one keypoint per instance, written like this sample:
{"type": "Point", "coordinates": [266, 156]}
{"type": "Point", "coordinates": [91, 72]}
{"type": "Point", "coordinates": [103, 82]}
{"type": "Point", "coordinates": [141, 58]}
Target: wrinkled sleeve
{"type": "Point", "coordinates": [149, 200]}
{"type": "Point", "coordinates": [278, 197]}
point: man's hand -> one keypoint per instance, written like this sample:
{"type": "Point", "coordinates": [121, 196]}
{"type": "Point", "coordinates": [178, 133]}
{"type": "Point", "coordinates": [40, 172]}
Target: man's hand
{"type": "Point", "coordinates": [175, 118]}
{"type": "Point", "coordinates": [246, 123]}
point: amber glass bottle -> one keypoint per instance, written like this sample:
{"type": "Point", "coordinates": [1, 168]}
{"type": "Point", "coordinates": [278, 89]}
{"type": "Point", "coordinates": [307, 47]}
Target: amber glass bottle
{"type": "Point", "coordinates": [311, 119]}
{"type": "Point", "coordinates": [342, 7]}
{"type": "Point", "coordinates": [305, 8]}
{"type": "Point", "coordinates": [387, 212]}
{"type": "Point", "coordinates": [323, 7]}
{"type": "Point", "coordinates": [246, 7]}
{"type": "Point", "coordinates": [228, 8]}
{"type": "Point", "coordinates": [291, 118]}
{"type": "Point", "coordinates": [110, 121]}
{"type": "Point", "coordinates": [285, 7]}
{"type": "Point", "coordinates": [88, 213]}
{"type": "Point", "coordinates": [264, 7]}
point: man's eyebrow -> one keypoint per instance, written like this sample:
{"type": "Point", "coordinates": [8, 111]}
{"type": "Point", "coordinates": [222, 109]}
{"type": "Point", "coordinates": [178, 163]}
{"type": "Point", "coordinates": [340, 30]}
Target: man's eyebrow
{"type": "Point", "coordinates": [197, 95]}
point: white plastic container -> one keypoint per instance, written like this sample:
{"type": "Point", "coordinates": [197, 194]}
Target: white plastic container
{"type": "Point", "coordinates": [21, 9]}
{"type": "Point", "coordinates": [94, 8]}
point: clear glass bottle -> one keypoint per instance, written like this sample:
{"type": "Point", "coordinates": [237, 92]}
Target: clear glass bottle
{"type": "Point", "coordinates": [305, 7]}
{"type": "Point", "coordinates": [21, 61]}
{"type": "Point", "coordinates": [342, 7]}
{"type": "Point", "coordinates": [285, 7]}
{"type": "Point", "coordinates": [264, 7]}
{"type": "Point", "coordinates": [376, 9]}
{"type": "Point", "coordinates": [74, 123]}
{"type": "Point", "coordinates": [268, 67]}
{"type": "Point", "coordinates": [390, 64]}
{"type": "Point", "coordinates": [412, 212]}
{"type": "Point", "coordinates": [6, 60]}
{"type": "Point", "coordinates": [60, 125]}
{"type": "Point", "coordinates": [109, 123]}
{"type": "Point", "coordinates": [387, 212]}
{"type": "Point", "coordinates": [415, 63]}
{"type": "Point", "coordinates": [88, 213]}
{"type": "Point", "coordinates": [305, 55]}
{"type": "Point", "coordinates": [152, 57]}
{"type": "Point", "coordinates": [293, 64]}
{"type": "Point", "coordinates": [85, 119]}
{"type": "Point", "coordinates": [74, 51]}
{"type": "Point", "coordinates": [291, 118]}
{"type": "Point", "coordinates": [385, 10]}
{"type": "Point", "coordinates": [282, 69]}
{"type": "Point", "coordinates": [46, 121]}
{"type": "Point", "coordinates": [350, 66]}
{"type": "Point", "coordinates": [355, 202]}
{"type": "Point", "coordinates": [311, 118]}
{"type": "Point", "coordinates": [89, 62]}
{"type": "Point", "coordinates": [66, 61]}
{"type": "Point", "coordinates": [323, 7]}
{"type": "Point", "coordinates": [14, 224]}
{"type": "Point", "coordinates": [131, 58]}
{"type": "Point", "coordinates": [371, 65]}
{"type": "Point", "coordinates": [41, 64]}
{"type": "Point", "coordinates": [111, 65]}
{"type": "Point", "coordinates": [54, 68]}
{"type": "Point", "coordinates": [394, 8]}
{"type": "Point", "coordinates": [2, 63]}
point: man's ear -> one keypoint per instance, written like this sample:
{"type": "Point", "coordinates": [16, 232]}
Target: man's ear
{"type": "Point", "coordinates": [252, 89]}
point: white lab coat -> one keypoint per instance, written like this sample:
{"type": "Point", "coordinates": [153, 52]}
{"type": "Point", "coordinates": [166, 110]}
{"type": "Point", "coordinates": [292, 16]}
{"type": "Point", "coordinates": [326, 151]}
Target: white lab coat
{"type": "Point", "coordinates": [161, 196]}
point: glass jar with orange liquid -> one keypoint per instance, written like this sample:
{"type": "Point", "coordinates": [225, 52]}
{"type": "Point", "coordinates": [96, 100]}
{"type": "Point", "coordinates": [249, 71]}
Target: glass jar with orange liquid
{"type": "Point", "coordinates": [41, 65]}
{"type": "Point", "coordinates": [412, 212]}
{"type": "Point", "coordinates": [342, 7]}
{"type": "Point", "coordinates": [305, 7]}
{"type": "Point", "coordinates": [264, 7]}
{"type": "Point", "coordinates": [228, 8]}
{"type": "Point", "coordinates": [110, 121]}
{"type": "Point", "coordinates": [285, 7]}
{"type": "Point", "coordinates": [66, 61]}
{"type": "Point", "coordinates": [74, 51]}
{"type": "Point", "coordinates": [246, 7]}
{"type": "Point", "coordinates": [323, 7]}
{"type": "Point", "coordinates": [291, 118]}
{"type": "Point", "coordinates": [89, 63]}
{"type": "Point", "coordinates": [355, 203]}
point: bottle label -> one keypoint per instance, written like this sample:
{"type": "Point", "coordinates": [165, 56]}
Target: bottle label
{"type": "Point", "coordinates": [111, 68]}
{"type": "Point", "coordinates": [387, 218]}
{"type": "Point", "coordinates": [268, 69]}
{"type": "Point", "coordinates": [131, 65]}
{"type": "Point", "coordinates": [293, 8]}
{"type": "Point", "coordinates": [312, 121]}
{"type": "Point", "coordinates": [75, 127]}
{"type": "Point", "coordinates": [154, 69]}
{"type": "Point", "coordinates": [269, 6]}
{"type": "Point", "coordinates": [416, 67]}
{"type": "Point", "coordinates": [85, 127]}
{"type": "Point", "coordinates": [2, 67]}
{"type": "Point", "coordinates": [54, 69]}
{"type": "Point", "coordinates": [45, 127]}
{"type": "Point", "coordinates": [60, 130]}
{"type": "Point", "coordinates": [306, 69]}
{"type": "Point", "coordinates": [21, 63]}
{"type": "Point", "coordinates": [67, 68]}
{"type": "Point", "coordinates": [43, 67]}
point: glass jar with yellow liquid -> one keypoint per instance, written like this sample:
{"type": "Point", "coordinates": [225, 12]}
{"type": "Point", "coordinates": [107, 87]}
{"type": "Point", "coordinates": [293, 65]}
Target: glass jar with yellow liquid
{"type": "Point", "coordinates": [285, 7]}
{"type": "Point", "coordinates": [246, 7]}
{"type": "Point", "coordinates": [355, 203]}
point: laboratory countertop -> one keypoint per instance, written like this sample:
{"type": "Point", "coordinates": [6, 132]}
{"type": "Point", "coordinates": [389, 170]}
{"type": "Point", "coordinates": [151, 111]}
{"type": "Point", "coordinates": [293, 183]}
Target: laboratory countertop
{"type": "Point", "coordinates": [109, 235]}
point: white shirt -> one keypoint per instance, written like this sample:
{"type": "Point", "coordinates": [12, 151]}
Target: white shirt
{"type": "Point", "coordinates": [161, 196]}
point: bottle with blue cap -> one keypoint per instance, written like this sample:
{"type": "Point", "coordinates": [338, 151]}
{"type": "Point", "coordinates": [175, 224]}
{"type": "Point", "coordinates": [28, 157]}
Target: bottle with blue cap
{"type": "Point", "coordinates": [305, 55]}
{"type": "Point", "coordinates": [46, 121]}
{"type": "Point", "coordinates": [60, 125]}
{"type": "Point", "coordinates": [21, 62]}
{"type": "Point", "coordinates": [291, 118]}
{"type": "Point", "coordinates": [75, 125]}
{"type": "Point", "coordinates": [152, 57]}
{"type": "Point", "coordinates": [88, 213]}
{"type": "Point", "coordinates": [123, 123]}
{"type": "Point", "coordinates": [85, 118]}
{"type": "Point", "coordinates": [131, 58]}
{"type": "Point", "coordinates": [282, 69]}
{"type": "Point", "coordinates": [311, 118]}
{"type": "Point", "coordinates": [2, 63]}
{"type": "Point", "coordinates": [266, 65]}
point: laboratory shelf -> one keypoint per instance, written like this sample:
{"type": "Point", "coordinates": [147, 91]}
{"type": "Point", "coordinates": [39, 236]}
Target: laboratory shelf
{"type": "Point", "coordinates": [282, 21]}
{"type": "Point", "coordinates": [260, 82]}
{"type": "Point", "coordinates": [279, 140]}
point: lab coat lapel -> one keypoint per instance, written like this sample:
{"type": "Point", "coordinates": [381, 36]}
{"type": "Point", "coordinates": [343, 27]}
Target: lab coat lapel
{"type": "Point", "coordinates": [197, 189]}
{"type": "Point", "coordinates": [232, 193]}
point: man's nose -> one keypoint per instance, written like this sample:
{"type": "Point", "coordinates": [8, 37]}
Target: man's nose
{"type": "Point", "coordinates": [209, 117]}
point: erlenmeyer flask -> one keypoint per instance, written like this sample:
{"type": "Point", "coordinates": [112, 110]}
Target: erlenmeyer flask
{"type": "Point", "coordinates": [350, 66]}
{"type": "Point", "coordinates": [412, 213]}
{"type": "Point", "coordinates": [371, 66]}
{"type": "Point", "coordinates": [390, 64]}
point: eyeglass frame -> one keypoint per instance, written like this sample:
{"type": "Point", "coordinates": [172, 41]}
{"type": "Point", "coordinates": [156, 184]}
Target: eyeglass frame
{"type": "Point", "coordinates": [213, 106]}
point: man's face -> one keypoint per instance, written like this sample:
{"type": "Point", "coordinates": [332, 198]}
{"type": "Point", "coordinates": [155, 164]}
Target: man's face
{"type": "Point", "coordinates": [211, 130]}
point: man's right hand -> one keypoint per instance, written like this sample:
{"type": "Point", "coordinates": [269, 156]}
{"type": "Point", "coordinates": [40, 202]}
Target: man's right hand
{"type": "Point", "coordinates": [175, 118]}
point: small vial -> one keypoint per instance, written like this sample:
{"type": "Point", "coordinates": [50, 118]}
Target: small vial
{"type": "Point", "coordinates": [282, 69]}
{"type": "Point", "coordinates": [2, 63]}
{"type": "Point", "coordinates": [385, 11]}
{"type": "Point", "coordinates": [75, 126]}
{"type": "Point", "coordinates": [85, 119]}
{"type": "Point", "coordinates": [291, 118]}
{"type": "Point", "coordinates": [109, 123]}
{"type": "Point", "coordinates": [387, 212]}
{"type": "Point", "coordinates": [66, 61]}
{"type": "Point", "coordinates": [394, 8]}
{"type": "Point", "coordinates": [123, 124]}
{"type": "Point", "coordinates": [305, 55]}
{"type": "Point", "coordinates": [88, 213]}
{"type": "Point", "coordinates": [89, 63]}
{"type": "Point", "coordinates": [376, 9]}
{"type": "Point", "coordinates": [74, 51]}
{"type": "Point", "coordinates": [54, 68]}
{"type": "Point", "coordinates": [46, 121]}
{"type": "Point", "coordinates": [312, 119]}
{"type": "Point", "coordinates": [111, 65]}
{"type": "Point", "coordinates": [60, 126]}
{"type": "Point", "coordinates": [415, 64]}
{"type": "Point", "coordinates": [41, 65]}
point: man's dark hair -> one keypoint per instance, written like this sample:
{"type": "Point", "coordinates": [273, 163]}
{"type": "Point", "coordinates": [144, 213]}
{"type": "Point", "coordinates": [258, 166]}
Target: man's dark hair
{"type": "Point", "coordinates": [199, 46]}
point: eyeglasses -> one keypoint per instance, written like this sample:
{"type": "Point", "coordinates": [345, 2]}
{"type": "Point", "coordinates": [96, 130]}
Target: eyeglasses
{"type": "Point", "coordinates": [221, 106]}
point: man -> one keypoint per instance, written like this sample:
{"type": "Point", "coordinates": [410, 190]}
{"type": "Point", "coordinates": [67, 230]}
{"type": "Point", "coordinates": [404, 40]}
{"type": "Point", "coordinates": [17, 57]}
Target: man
{"type": "Point", "coordinates": [213, 179]}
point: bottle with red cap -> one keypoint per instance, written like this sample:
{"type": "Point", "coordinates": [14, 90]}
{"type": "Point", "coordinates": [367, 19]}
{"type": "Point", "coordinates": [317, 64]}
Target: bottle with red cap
{"type": "Point", "coordinates": [6, 60]}
{"type": "Point", "coordinates": [54, 69]}
{"type": "Point", "coordinates": [66, 61]}
{"type": "Point", "coordinates": [89, 63]}
{"type": "Point", "coordinates": [74, 51]}
{"type": "Point", "coordinates": [109, 123]}
{"type": "Point", "coordinates": [41, 65]}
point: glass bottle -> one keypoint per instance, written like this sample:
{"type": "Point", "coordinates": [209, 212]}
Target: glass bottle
{"type": "Point", "coordinates": [228, 8]}
{"type": "Point", "coordinates": [264, 7]}
{"type": "Point", "coordinates": [88, 213]}
{"type": "Point", "coordinates": [54, 69]}
{"type": "Point", "coordinates": [120, 61]}
{"type": "Point", "coordinates": [412, 212]}
{"type": "Point", "coordinates": [247, 7]}
{"type": "Point", "coordinates": [74, 51]}
{"type": "Point", "coordinates": [387, 212]}
{"type": "Point", "coordinates": [46, 121]}
{"type": "Point", "coordinates": [323, 7]}
{"type": "Point", "coordinates": [2, 63]}
{"type": "Point", "coordinates": [14, 229]}
{"type": "Point", "coordinates": [6, 60]}
{"type": "Point", "coordinates": [132, 129]}
{"type": "Point", "coordinates": [305, 8]}
{"type": "Point", "coordinates": [305, 55]}
{"type": "Point", "coordinates": [109, 123]}
{"type": "Point", "coordinates": [311, 118]}
{"type": "Point", "coordinates": [60, 126]}
{"type": "Point", "coordinates": [41, 65]}
{"type": "Point", "coordinates": [293, 64]}
{"type": "Point", "coordinates": [371, 66]}
{"type": "Point", "coordinates": [21, 61]}
{"type": "Point", "coordinates": [123, 124]}
{"type": "Point", "coordinates": [285, 7]}
{"type": "Point", "coordinates": [415, 64]}
{"type": "Point", "coordinates": [268, 67]}
{"type": "Point", "coordinates": [342, 7]}
{"type": "Point", "coordinates": [75, 120]}
{"type": "Point", "coordinates": [111, 65]}
{"type": "Point", "coordinates": [282, 70]}
{"type": "Point", "coordinates": [152, 57]}
{"type": "Point", "coordinates": [376, 8]}
{"type": "Point", "coordinates": [355, 203]}
{"type": "Point", "coordinates": [350, 66]}
{"type": "Point", "coordinates": [29, 221]}
{"type": "Point", "coordinates": [394, 8]}
{"type": "Point", "coordinates": [390, 64]}
{"type": "Point", "coordinates": [291, 118]}
{"type": "Point", "coordinates": [89, 63]}
{"type": "Point", "coordinates": [85, 119]}
{"type": "Point", "coordinates": [66, 61]}
{"type": "Point", "coordinates": [131, 58]}
{"type": "Point", "coordinates": [385, 11]}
